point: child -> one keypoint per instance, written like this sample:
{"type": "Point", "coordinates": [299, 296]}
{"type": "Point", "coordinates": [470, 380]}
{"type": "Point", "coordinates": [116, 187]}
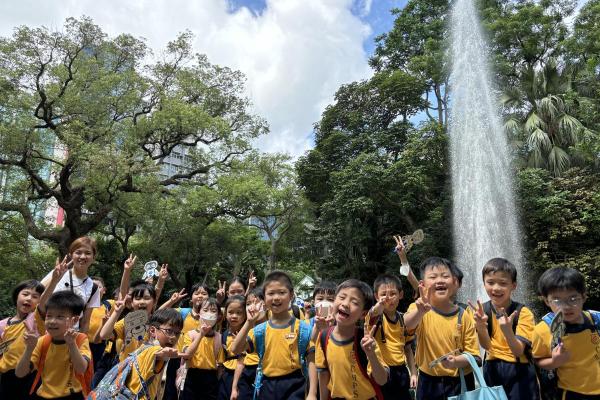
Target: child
{"type": "Point", "coordinates": [247, 376]}
{"type": "Point", "coordinates": [442, 329]}
{"type": "Point", "coordinates": [282, 343]}
{"type": "Point", "coordinates": [99, 315]}
{"type": "Point", "coordinates": [392, 338]}
{"type": "Point", "coordinates": [62, 356]}
{"type": "Point", "coordinates": [324, 291]}
{"type": "Point", "coordinates": [143, 297]}
{"type": "Point", "coordinates": [25, 297]}
{"type": "Point", "coordinates": [576, 358]}
{"type": "Point", "coordinates": [338, 355]}
{"type": "Point", "coordinates": [235, 315]}
{"type": "Point", "coordinates": [505, 330]}
{"type": "Point", "coordinates": [82, 253]}
{"type": "Point", "coordinates": [204, 353]}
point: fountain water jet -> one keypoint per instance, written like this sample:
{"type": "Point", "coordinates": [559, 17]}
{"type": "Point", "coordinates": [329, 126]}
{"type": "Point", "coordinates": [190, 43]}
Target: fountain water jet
{"type": "Point", "coordinates": [485, 221]}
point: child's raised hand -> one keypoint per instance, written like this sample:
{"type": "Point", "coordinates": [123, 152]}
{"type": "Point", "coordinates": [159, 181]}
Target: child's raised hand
{"type": "Point", "coordinates": [423, 302]}
{"type": "Point", "coordinates": [400, 249]}
{"type": "Point", "coordinates": [120, 303]}
{"type": "Point", "coordinates": [479, 314]}
{"type": "Point", "coordinates": [251, 280]}
{"type": "Point", "coordinates": [71, 333]}
{"type": "Point", "coordinates": [164, 272]}
{"type": "Point", "coordinates": [506, 321]}
{"type": "Point", "coordinates": [30, 337]}
{"type": "Point", "coordinates": [130, 262]}
{"type": "Point", "coordinates": [368, 341]}
{"type": "Point", "coordinates": [221, 291]}
{"type": "Point", "coordinates": [253, 311]}
{"type": "Point", "coordinates": [560, 355]}
{"type": "Point", "coordinates": [178, 296]}
{"type": "Point", "coordinates": [61, 267]}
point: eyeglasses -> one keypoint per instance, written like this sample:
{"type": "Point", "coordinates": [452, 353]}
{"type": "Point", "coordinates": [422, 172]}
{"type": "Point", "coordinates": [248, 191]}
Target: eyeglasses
{"type": "Point", "coordinates": [570, 302]}
{"type": "Point", "coordinates": [169, 332]}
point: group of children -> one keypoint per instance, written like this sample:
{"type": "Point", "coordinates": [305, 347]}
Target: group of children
{"type": "Point", "coordinates": [252, 342]}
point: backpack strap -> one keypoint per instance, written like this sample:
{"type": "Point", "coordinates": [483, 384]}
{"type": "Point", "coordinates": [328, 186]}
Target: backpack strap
{"type": "Point", "coordinates": [461, 312]}
{"type": "Point", "coordinates": [144, 384]}
{"type": "Point", "coordinates": [304, 334]}
{"type": "Point", "coordinates": [46, 341]}
{"type": "Point", "coordinates": [363, 362]}
{"type": "Point", "coordinates": [85, 379]}
{"type": "Point", "coordinates": [217, 344]}
{"type": "Point", "coordinates": [107, 305]}
{"type": "Point", "coordinates": [487, 309]}
{"type": "Point", "coordinates": [259, 340]}
{"type": "Point", "coordinates": [548, 318]}
{"type": "Point", "coordinates": [94, 290]}
{"type": "Point", "coordinates": [185, 312]}
{"type": "Point", "coordinates": [595, 317]}
{"type": "Point", "coordinates": [324, 341]}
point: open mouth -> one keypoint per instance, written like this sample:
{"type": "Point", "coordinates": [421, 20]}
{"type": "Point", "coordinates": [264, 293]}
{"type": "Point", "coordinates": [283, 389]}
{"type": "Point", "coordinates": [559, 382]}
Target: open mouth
{"type": "Point", "coordinates": [441, 289]}
{"type": "Point", "coordinates": [342, 314]}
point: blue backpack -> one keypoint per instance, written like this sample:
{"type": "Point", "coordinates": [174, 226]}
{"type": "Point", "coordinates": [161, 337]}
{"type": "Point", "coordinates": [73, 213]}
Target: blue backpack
{"type": "Point", "coordinates": [304, 333]}
{"type": "Point", "coordinates": [112, 386]}
{"type": "Point", "coordinates": [184, 312]}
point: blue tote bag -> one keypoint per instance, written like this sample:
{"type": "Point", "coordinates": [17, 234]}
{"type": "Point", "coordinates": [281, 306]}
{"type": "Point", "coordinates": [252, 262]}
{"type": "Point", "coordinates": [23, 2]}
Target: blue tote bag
{"type": "Point", "coordinates": [484, 392]}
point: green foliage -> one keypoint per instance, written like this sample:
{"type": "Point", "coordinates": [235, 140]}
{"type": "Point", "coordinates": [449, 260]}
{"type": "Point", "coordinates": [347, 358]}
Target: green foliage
{"type": "Point", "coordinates": [561, 216]}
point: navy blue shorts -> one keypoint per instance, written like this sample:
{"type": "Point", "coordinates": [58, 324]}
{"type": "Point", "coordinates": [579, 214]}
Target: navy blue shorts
{"type": "Point", "coordinates": [518, 379]}
{"type": "Point", "coordinates": [566, 395]}
{"type": "Point", "coordinates": [246, 383]}
{"type": "Point", "coordinates": [12, 387]}
{"type": "Point", "coordinates": [398, 385]}
{"type": "Point", "coordinates": [291, 386]}
{"type": "Point", "coordinates": [225, 383]}
{"type": "Point", "coordinates": [200, 383]}
{"type": "Point", "coordinates": [441, 387]}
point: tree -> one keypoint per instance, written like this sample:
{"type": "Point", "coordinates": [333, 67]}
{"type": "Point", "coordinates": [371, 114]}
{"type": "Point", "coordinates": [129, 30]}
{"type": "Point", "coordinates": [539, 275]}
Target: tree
{"type": "Point", "coordinates": [85, 124]}
{"type": "Point", "coordinates": [263, 191]}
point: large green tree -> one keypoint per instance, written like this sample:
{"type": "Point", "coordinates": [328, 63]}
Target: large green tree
{"type": "Point", "coordinates": [85, 123]}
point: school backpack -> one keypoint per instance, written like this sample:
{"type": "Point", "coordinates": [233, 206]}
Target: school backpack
{"type": "Point", "coordinates": [359, 354]}
{"type": "Point", "coordinates": [548, 378]}
{"type": "Point", "coordinates": [84, 379]}
{"type": "Point", "coordinates": [379, 325]}
{"type": "Point", "coordinates": [514, 306]}
{"type": "Point", "coordinates": [304, 333]}
{"type": "Point", "coordinates": [185, 312]}
{"type": "Point", "coordinates": [113, 385]}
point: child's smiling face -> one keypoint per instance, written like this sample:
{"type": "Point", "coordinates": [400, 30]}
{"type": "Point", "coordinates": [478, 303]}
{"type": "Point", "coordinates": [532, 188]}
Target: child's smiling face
{"type": "Point", "coordinates": [499, 287]}
{"type": "Point", "coordinates": [277, 297]}
{"type": "Point", "coordinates": [442, 283]}
{"type": "Point", "coordinates": [27, 300]}
{"type": "Point", "coordinates": [569, 301]}
{"type": "Point", "coordinates": [348, 306]}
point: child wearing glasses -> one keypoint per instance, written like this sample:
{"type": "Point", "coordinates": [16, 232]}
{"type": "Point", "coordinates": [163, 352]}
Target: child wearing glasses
{"type": "Point", "coordinates": [576, 356]}
{"type": "Point", "coordinates": [505, 331]}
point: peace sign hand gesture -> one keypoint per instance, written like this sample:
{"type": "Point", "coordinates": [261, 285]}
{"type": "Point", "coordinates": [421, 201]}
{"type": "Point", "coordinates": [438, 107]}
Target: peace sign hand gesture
{"type": "Point", "coordinates": [251, 281]}
{"type": "Point", "coordinates": [164, 272]}
{"type": "Point", "coordinates": [400, 248]}
{"type": "Point", "coordinates": [505, 321]}
{"type": "Point", "coordinates": [423, 302]}
{"type": "Point", "coordinates": [30, 337]}
{"type": "Point", "coordinates": [481, 319]}
{"type": "Point", "coordinates": [130, 262]}
{"type": "Point", "coordinates": [71, 333]}
{"type": "Point", "coordinates": [178, 296]}
{"type": "Point", "coordinates": [221, 291]}
{"type": "Point", "coordinates": [368, 341]}
{"type": "Point", "coordinates": [61, 267]}
{"type": "Point", "coordinates": [254, 310]}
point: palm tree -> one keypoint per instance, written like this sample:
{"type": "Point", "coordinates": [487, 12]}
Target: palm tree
{"type": "Point", "coordinates": [539, 117]}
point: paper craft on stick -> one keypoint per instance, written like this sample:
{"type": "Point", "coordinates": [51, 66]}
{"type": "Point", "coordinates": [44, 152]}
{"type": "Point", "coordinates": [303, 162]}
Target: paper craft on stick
{"type": "Point", "coordinates": [135, 325]}
{"type": "Point", "coordinates": [150, 269]}
{"type": "Point", "coordinates": [410, 240]}
{"type": "Point", "coordinates": [442, 358]}
{"type": "Point", "coordinates": [558, 329]}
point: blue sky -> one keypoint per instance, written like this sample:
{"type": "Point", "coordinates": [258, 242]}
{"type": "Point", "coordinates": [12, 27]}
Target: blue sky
{"type": "Point", "coordinates": [295, 54]}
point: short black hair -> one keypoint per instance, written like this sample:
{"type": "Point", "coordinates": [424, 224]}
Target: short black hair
{"type": "Point", "coordinates": [561, 278]}
{"type": "Point", "coordinates": [211, 301]}
{"type": "Point", "coordinates": [200, 285]}
{"type": "Point", "coordinates": [28, 284]}
{"type": "Point", "coordinates": [281, 277]}
{"type": "Point", "coordinates": [66, 300]}
{"type": "Point", "coordinates": [235, 299]}
{"type": "Point", "coordinates": [166, 316]}
{"type": "Point", "coordinates": [387, 279]}
{"type": "Point", "coordinates": [258, 293]}
{"type": "Point", "coordinates": [99, 279]}
{"type": "Point", "coordinates": [324, 287]}
{"type": "Point", "coordinates": [362, 287]}
{"type": "Point", "coordinates": [432, 262]}
{"type": "Point", "coordinates": [237, 279]}
{"type": "Point", "coordinates": [138, 289]}
{"type": "Point", "coordinates": [499, 264]}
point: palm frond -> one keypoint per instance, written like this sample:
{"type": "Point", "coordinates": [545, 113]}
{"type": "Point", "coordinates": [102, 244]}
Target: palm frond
{"type": "Point", "coordinates": [548, 107]}
{"type": "Point", "coordinates": [558, 160]}
{"type": "Point", "coordinates": [534, 122]}
{"type": "Point", "coordinates": [569, 128]}
{"type": "Point", "coordinates": [512, 127]}
{"type": "Point", "coordinates": [539, 140]}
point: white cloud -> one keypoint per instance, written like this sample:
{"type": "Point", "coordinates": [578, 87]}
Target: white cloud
{"type": "Point", "coordinates": [295, 54]}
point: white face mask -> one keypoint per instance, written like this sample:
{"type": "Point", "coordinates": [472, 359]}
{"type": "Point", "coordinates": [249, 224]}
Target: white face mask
{"type": "Point", "coordinates": [323, 308]}
{"type": "Point", "coordinates": [208, 318]}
